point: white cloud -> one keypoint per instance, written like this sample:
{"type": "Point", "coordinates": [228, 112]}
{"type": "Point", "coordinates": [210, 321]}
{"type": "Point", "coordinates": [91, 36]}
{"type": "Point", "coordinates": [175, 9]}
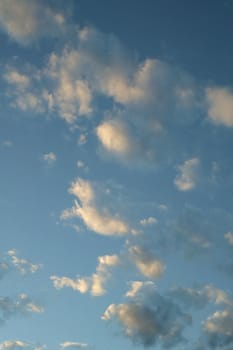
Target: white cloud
{"type": "Point", "coordinates": [74, 345]}
{"type": "Point", "coordinates": [229, 237]}
{"type": "Point", "coordinates": [27, 20]}
{"type": "Point", "coordinates": [187, 178]}
{"type": "Point", "coordinates": [148, 221]}
{"type": "Point", "coordinates": [95, 284]}
{"type": "Point", "coordinates": [220, 105]}
{"type": "Point", "coordinates": [221, 323]}
{"type": "Point", "coordinates": [50, 157]}
{"type": "Point", "coordinates": [146, 263]}
{"type": "Point", "coordinates": [101, 222]}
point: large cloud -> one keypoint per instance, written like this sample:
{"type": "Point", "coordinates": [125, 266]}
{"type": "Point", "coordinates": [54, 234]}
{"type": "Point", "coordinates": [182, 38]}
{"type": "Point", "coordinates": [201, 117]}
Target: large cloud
{"type": "Point", "coordinates": [28, 20]}
{"type": "Point", "coordinates": [220, 105]}
{"type": "Point", "coordinates": [149, 318]}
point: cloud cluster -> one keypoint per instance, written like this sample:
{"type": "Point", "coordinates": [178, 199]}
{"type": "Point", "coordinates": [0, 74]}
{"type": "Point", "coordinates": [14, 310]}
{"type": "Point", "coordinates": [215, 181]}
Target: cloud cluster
{"type": "Point", "coordinates": [95, 219]}
{"type": "Point", "coordinates": [27, 20]}
{"type": "Point", "coordinates": [150, 318]}
{"type": "Point", "coordinates": [95, 284]}
{"type": "Point", "coordinates": [20, 306]}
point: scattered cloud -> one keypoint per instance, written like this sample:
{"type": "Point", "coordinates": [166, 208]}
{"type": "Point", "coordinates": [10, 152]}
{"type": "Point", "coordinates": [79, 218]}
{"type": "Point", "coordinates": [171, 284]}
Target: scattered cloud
{"type": "Point", "coordinates": [21, 306]}
{"type": "Point", "coordinates": [187, 178]}
{"type": "Point", "coordinates": [220, 105]}
{"type": "Point", "coordinates": [21, 264]}
{"type": "Point", "coordinates": [13, 345]}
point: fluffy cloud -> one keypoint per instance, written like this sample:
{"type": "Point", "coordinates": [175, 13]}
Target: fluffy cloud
{"type": "Point", "coordinates": [150, 318]}
{"type": "Point", "coordinates": [146, 263]}
{"type": "Point", "coordinates": [220, 105]}
{"type": "Point", "coordinates": [114, 136]}
{"type": "Point", "coordinates": [95, 283]}
{"type": "Point", "coordinates": [187, 177]}
{"type": "Point", "coordinates": [101, 222]}
{"type": "Point", "coordinates": [27, 20]}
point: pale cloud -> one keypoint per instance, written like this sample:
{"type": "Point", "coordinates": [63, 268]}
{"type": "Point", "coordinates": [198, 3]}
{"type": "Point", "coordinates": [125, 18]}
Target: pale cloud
{"type": "Point", "coordinates": [74, 345]}
{"type": "Point", "coordinates": [229, 237]}
{"type": "Point", "coordinates": [95, 284]}
{"type": "Point", "coordinates": [145, 262]}
{"type": "Point", "coordinates": [188, 175]}
{"type": "Point", "coordinates": [13, 345]}
{"type": "Point", "coordinates": [50, 157]}
{"type": "Point", "coordinates": [101, 222]}
{"type": "Point", "coordinates": [218, 329]}
{"type": "Point", "coordinates": [114, 137]}
{"type": "Point", "coordinates": [20, 306]}
{"type": "Point", "coordinates": [21, 264]}
{"type": "Point", "coordinates": [148, 221]}
{"type": "Point", "coordinates": [220, 105]}
{"type": "Point", "coordinates": [21, 81]}
{"type": "Point", "coordinates": [27, 20]}
{"type": "Point", "coordinates": [7, 144]}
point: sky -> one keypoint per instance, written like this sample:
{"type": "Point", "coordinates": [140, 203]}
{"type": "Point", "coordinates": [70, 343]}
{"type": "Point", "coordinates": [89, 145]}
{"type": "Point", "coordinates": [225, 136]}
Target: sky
{"type": "Point", "coordinates": [116, 137]}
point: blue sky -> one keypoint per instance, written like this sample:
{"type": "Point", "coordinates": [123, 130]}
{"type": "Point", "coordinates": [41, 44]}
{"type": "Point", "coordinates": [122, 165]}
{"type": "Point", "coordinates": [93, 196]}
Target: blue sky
{"type": "Point", "coordinates": [116, 174]}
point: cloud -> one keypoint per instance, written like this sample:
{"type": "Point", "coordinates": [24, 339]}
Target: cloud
{"type": "Point", "coordinates": [218, 330]}
{"type": "Point", "coordinates": [74, 345]}
{"type": "Point", "coordinates": [115, 138]}
{"type": "Point", "coordinates": [220, 105]}
{"type": "Point", "coordinates": [186, 180]}
{"type": "Point", "coordinates": [95, 284]}
{"type": "Point", "coordinates": [27, 20]}
{"type": "Point", "coordinates": [198, 298]}
{"type": "Point", "coordinates": [50, 157]}
{"type": "Point", "coordinates": [13, 345]}
{"type": "Point", "coordinates": [145, 262]}
{"type": "Point", "coordinates": [21, 264]}
{"type": "Point", "coordinates": [150, 319]}
{"type": "Point", "coordinates": [148, 221]}
{"type": "Point", "coordinates": [21, 306]}
{"type": "Point", "coordinates": [99, 221]}
{"type": "Point", "coordinates": [229, 237]}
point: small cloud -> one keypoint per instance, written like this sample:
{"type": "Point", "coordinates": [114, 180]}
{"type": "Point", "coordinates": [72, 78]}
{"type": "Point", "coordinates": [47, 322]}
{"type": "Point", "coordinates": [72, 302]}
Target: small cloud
{"type": "Point", "coordinates": [148, 221]}
{"type": "Point", "coordinates": [146, 263]}
{"type": "Point", "coordinates": [22, 265]}
{"type": "Point", "coordinates": [50, 158]}
{"type": "Point", "coordinates": [186, 180]}
{"type": "Point", "coordinates": [229, 237]}
{"type": "Point", "coordinates": [7, 144]}
{"type": "Point", "coordinates": [82, 139]}
{"type": "Point", "coordinates": [220, 105]}
{"type": "Point", "coordinates": [73, 345]}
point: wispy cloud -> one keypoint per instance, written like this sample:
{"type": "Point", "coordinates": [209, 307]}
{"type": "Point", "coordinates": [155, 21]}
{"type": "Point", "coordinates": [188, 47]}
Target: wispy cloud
{"type": "Point", "coordinates": [50, 157]}
{"type": "Point", "coordinates": [188, 175]}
